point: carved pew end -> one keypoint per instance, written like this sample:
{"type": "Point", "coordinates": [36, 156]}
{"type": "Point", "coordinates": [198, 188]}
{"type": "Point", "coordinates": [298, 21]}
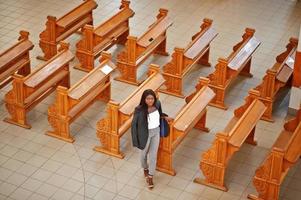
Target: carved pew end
{"type": "Point", "coordinates": [165, 157]}
{"type": "Point", "coordinates": [103, 150]}
{"type": "Point", "coordinates": [218, 104]}
{"type": "Point", "coordinates": [171, 172]}
{"type": "Point", "coordinates": [41, 58]}
{"type": "Point", "coordinates": [203, 182]}
{"type": "Point", "coordinates": [110, 141]}
{"type": "Point", "coordinates": [79, 67]}
{"type": "Point", "coordinates": [53, 134]}
{"type": "Point", "coordinates": [135, 83]}
{"type": "Point", "coordinates": [21, 124]}
{"type": "Point", "coordinates": [85, 66]}
{"type": "Point", "coordinates": [252, 197]}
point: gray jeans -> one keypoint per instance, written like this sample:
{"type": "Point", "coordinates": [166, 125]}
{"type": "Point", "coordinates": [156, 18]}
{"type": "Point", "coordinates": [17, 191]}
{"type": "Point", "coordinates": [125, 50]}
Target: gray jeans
{"type": "Point", "coordinates": [151, 148]}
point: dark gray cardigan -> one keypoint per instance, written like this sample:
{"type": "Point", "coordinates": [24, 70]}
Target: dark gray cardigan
{"type": "Point", "coordinates": [139, 127]}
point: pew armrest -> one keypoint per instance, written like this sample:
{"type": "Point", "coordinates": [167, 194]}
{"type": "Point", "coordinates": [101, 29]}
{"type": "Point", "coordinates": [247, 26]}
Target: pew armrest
{"type": "Point", "coordinates": [83, 9]}
{"type": "Point", "coordinates": [246, 123]}
{"type": "Point", "coordinates": [244, 53]}
{"type": "Point", "coordinates": [50, 67]}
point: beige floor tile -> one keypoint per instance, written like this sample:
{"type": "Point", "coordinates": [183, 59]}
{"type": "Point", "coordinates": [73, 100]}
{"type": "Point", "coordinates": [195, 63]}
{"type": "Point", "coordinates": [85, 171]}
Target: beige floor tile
{"type": "Point", "coordinates": [186, 195]}
{"type": "Point", "coordinates": [104, 195]}
{"type": "Point", "coordinates": [56, 180]}
{"type": "Point", "coordinates": [16, 179]}
{"type": "Point", "coordinates": [62, 194]}
{"type": "Point", "coordinates": [7, 188]}
{"type": "Point", "coordinates": [5, 173]}
{"type": "Point", "coordinates": [138, 182]}
{"type": "Point", "coordinates": [67, 171]}
{"type": "Point", "coordinates": [72, 185]}
{"type": "Point", "coordinates": [12, 164]}
{"type": "Point", "coordinates": [88, 191]}
{"type": "Point", "coordinates": [227, 196]}
{"type": "Point", "coordinates": [97, 181]}
{"type": "Point", "coordinates": [170, 192]}
{"type": "Point", "coordinates": [47, 190]}
{"type": "Point", "coordinates": [9, 150]}
{"type": "Point", "coordinates": [178, 183]}
{"type": "Point", "coordinates": [3, 159]}
{"type": "Point", "coordinates": [37, 161]}
{"type": "Point", "coordinates": [211, 194]}
{"type": "Point", "coordinates": [78, 197]}
{"type": "Point", "coordinates": [36, 196]}
{"type": "Point", "coordinates": [120, 198]}
{"type": "Point", "coordinates": [41, 175]}
{"type": "Point", "coordinates": [113, 186]}
{"type": "Point", "coordinates": [195, 188]}
{"type": "Point", "coordinates": [31, 184]}
{"type": "Point", "coordinates": [23, 156]}
{"type": "Point", "coordinates": [146, 195]}
{"type": "Point", "coordinates": [129, 192]}
{"type": "Point", "coordinates": [20, 194]}
{"type": "Point", "coordinates": [51, 165]}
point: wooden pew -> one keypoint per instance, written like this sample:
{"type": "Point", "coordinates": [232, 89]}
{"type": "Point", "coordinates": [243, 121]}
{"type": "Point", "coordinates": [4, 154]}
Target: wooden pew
{"type": "Point", "coordinates": [15, 59]}
{"type": "Point", "coordinates": [29, 90]}
{"type": "Point", "coordinates": [285, 152]}
{"type": "Point", "coordinates": [277, 77]}
{"type": "Point", "coordinates": [138, 50]}
{"type": "Point", "coordinates": [192, 115]}
{"type": "Point", "coordinates": [59, 29]}
{"type": "Point", "coordinates": [240, 129]}
{"type": "Point", "coordinates": [94, 41]}
{"type": "Point", "coordinates": [226, 70]}
{"type": "Point", "coordinates": [183, 59]}
{"type": "Point", "coordinates": [70, 103]}
{"type": "Point", "coordinates": [119, 115]}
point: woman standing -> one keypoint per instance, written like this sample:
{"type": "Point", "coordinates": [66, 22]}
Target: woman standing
{"type": "Point", "coordinates": [146, 132]}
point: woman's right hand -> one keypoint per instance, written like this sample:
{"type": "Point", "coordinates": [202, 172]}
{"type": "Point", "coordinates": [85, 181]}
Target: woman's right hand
{"type": "Point", "coordinates": [169, 119]}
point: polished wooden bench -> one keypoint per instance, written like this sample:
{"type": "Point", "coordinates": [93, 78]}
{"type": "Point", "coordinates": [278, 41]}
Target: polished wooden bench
{"type": "Point", "coordinates": [285, 153]}
{"type": "Point", "coordinates": [192, 115]}
{"type": "Point", "coordinates": [94, 41]}
{"type": "Point", "coordinates": [277, 77]}
{"type": "Point", "coordinates": [119, 115]}
{"type": "Point", "coordinates": [297, 70]}
{"type": "Point", "coordinates": [15, 59]}
{"type": "Point", "coordinates": [29, 90]}
{"type": "Point", "coordinates": [59, 29]}
{"type": "Point", "coordinates": [183, 59]}
{"type": "Point", "coordinates": [226, 70]}
{"type": "Point", "coordinates": [240, 129]}
{"type": "Point", "coordinates": [138, 50]}
{"type": "Point", "coordinates": [71, 103]}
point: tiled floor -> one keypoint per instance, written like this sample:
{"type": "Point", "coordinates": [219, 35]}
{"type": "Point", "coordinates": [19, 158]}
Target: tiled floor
{"type": "Point", "coordinates": [34, 166]}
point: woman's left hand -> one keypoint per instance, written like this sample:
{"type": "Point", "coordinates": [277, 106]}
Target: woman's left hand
{"type": "Point", "coordinates": [169, 119]}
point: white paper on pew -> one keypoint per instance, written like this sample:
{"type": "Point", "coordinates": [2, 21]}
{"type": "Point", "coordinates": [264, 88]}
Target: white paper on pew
{"type": "Point", "coordinates": [290, 62]}
{"type": "Point", "coordinates": [106, 69]}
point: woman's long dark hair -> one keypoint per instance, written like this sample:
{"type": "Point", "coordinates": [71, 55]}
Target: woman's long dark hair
{"type": "Point", "coordinates": [143, 106]}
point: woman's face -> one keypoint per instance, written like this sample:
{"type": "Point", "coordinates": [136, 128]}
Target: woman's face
{"type": "Point", "coordinates": [149, 100]}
